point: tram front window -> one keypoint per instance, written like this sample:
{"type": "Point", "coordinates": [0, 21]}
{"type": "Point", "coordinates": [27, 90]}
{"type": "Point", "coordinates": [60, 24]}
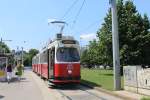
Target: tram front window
{"type": "Point", "coordinates": [67, 55]}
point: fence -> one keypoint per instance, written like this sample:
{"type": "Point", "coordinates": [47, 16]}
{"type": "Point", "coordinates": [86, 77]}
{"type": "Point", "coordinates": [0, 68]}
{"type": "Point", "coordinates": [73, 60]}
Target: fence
{"type": "Point", "coordinates": [137, 79]}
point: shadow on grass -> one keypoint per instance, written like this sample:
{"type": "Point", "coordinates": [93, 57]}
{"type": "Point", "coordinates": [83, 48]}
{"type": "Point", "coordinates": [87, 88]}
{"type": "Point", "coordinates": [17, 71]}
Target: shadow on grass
{"type": "Point", "coordinates": [91, 84]}
{"type": "Point", "coordinates": [106, 74]}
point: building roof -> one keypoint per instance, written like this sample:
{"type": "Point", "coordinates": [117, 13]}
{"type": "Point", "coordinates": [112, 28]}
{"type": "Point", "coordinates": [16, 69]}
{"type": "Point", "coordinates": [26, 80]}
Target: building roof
{"type": "Point", "coordinates": [5, 54]}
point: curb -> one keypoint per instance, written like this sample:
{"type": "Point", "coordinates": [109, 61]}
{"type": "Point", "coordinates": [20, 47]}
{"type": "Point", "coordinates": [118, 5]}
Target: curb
{"type": "Point", "coordinates": [107, 91]}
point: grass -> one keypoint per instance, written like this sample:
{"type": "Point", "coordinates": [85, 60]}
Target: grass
{"type": "Point", "coordinates": [145, 98]}
{"type": "Point", "coordinates": [98, 77]}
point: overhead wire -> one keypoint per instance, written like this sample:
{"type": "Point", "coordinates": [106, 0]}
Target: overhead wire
{"type": "Point", "coordinates": [69, 9]}
{"type": "Point", "coordinates": [78, 13]}
{"type": "Point", "coordinates": [90, 26]}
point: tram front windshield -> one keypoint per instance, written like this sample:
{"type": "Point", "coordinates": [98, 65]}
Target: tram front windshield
{"type": "Point", "coordinates": [67, 55]}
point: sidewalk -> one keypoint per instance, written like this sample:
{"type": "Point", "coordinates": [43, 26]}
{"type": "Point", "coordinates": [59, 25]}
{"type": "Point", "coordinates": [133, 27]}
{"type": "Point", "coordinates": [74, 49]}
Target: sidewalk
{"type": "Point", "coordinates": [126, 95]}
{"type": "Point", "coordinates": [25, 89]}
{"type": "Point", "coordinates": [129, 95]}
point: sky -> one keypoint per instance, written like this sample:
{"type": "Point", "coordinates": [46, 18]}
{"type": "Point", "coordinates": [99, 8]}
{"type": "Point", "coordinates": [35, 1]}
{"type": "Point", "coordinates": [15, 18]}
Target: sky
{"type": "Point", "coordinates": [27, 20]}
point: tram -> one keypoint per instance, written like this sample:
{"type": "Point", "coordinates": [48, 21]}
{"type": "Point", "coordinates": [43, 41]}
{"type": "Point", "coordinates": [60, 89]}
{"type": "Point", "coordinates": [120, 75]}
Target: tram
{"type": "Point", "coordinates": [59, 61]}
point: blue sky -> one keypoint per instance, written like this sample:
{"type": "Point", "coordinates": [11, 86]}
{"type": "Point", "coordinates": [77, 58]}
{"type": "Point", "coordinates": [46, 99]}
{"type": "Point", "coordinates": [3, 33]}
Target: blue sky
{"type": "Point", "coordinates": [27, 20]}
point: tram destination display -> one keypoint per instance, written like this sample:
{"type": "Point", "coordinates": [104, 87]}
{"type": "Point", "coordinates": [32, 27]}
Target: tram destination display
{"type": "Point", "coordinates": [69, 42]}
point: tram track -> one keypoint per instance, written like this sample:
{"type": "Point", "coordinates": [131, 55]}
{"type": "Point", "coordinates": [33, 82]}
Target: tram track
{"type": "Point", "coordinates": [78, 93]}
{"type": "Point", "coordinates": [74, 92]}
{"type": "Point", "coordinates": [69, 98]}
{"type": "Point", "coordinates": [95, 95]}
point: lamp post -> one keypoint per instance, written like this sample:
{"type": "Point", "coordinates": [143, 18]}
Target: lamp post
{"type": "Point", "coordinates": [22, 56]}
{"type": "Point", "coordinates": [22, 53]}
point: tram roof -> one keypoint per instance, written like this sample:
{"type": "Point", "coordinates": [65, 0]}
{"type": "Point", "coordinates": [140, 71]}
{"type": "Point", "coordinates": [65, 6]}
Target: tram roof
{"type": "Point", "coordinates": [54, 42]}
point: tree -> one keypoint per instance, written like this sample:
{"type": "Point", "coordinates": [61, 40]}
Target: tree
{"type": "Point", "coordinates": [4, 47]}
{"type": "Point", "coordinates": [90, 56]}
{"type": "Point", "coordinates": [85, 58]}
{"type": "Point", "coordinates": [133, 35]}
{"type": "Point", "coordinates": [33, 52]}
{"type": "Point", "coordinates": [134, 38]}
{"type": "Point", "coordinates": [29, 55]}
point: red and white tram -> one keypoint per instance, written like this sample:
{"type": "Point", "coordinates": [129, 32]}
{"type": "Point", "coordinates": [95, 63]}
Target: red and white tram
{"type": "Point", "coordinates": [59, 62]}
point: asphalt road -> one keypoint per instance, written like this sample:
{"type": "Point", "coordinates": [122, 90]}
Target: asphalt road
{"type": "Point", "coordinates": [32, 87]}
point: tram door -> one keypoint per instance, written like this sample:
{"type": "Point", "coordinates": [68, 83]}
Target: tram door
{"type": "Point", "coordinates": [51, 62]}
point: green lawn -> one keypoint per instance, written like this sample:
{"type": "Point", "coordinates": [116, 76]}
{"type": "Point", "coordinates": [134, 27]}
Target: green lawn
{"type": "Point", "coordinates": [98, 77]}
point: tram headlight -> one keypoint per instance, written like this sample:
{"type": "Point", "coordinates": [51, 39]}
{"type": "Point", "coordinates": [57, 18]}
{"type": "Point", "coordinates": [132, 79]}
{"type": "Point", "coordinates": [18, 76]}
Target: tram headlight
{"type": "Point", "coordinates": [69, 71]}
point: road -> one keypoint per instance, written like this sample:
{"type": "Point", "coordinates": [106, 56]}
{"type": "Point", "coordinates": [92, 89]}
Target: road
{"type": "Point", "coordinates": [31, 87]}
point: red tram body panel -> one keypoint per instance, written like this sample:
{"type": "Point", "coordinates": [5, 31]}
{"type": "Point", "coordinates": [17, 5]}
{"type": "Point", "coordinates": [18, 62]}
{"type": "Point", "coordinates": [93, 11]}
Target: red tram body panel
{"type": "Point", "coordinates": [44, 71]}
{"type": "Point", "coordinates": [67, 73]}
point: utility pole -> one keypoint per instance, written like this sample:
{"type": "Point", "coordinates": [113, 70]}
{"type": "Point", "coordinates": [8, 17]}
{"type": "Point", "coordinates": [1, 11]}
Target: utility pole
{"type": "Point", "coordinates": [22, 56]}
{"type": "Point", "coordinates": [115, 40]}
{"type": "Point", "coordinates": [1, 40]}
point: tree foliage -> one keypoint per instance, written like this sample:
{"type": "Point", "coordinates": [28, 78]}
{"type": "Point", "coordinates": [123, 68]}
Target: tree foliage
{"type": "Point", "coordinates": [134, 37]}
{"type": "Point", "coordinates": [4, 47]}
{"type": "Point", "coordinates": [29, 55]}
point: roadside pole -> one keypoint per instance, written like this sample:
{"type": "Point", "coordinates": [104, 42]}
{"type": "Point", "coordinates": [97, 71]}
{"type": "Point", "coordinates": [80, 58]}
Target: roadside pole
{"type": "Point", "coordinates": [22, 56]}
{"type": "Point", "coordinates": [115, 41]}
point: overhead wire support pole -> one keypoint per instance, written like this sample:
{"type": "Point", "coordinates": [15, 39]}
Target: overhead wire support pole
{"type": "Point", "coordinates": [22, 56]}
{"type": "Point", "coordinates": [115, 40]}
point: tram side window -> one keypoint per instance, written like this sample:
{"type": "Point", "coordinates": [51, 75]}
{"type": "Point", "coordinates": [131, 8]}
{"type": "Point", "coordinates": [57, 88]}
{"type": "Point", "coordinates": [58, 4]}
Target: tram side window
{"type": "Point", "coordinates": [32, 61]}
{"type": "Point", "coordinates": [44, 57]}
{"type": "Point", "coordinates": [36, 60]}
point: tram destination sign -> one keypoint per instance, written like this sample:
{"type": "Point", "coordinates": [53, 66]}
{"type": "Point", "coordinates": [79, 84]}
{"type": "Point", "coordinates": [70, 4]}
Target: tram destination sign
{"type": "Point", "coordinates": [69, 41]}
